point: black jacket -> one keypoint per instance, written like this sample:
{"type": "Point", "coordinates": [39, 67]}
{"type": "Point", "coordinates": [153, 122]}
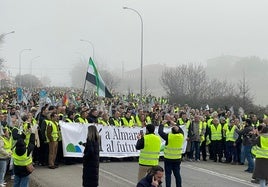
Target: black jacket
{"type": "Point", "coordinates": [91, 164]}
{"type": "Point", "coordinates": [147, 182]}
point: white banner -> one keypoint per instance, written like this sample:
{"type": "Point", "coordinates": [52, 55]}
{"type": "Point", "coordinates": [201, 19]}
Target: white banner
{"type": "Point", "coordinates": [115, 141]}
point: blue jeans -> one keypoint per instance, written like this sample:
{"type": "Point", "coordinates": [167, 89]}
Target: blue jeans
{"type": "Point", "coordinates": [21, 181]}
{"type": "Point", "coordinates": [175, 167]}
{"type": "Point", "coordinates": [242, 155]}
{"type": "Point", "coordinates": [195, 147]}
{"type": "Point", "coordinates": [248, 156]}
{"type": "Point", "coordinates": [231, 152]}
{"type": "Point", "coordinates": [3, 167]}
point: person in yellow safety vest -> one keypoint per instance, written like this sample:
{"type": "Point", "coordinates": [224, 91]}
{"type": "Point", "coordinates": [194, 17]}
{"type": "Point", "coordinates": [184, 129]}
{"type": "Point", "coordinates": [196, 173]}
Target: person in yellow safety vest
{"type": "Point", "coordinates": [83, 117]}
{"type": "Point", "coordinates": [149, 146]}
{"type": "Point", "coordinates": [22, 158]}
{"type": "Point", "coordinates": [231, 135]}
{"type": "Point", "coordinates": [104, 119]}
{"type": "Point", "coordinates": [25, 126]}
{"type": "Point", "coordinates": [176, 109]}
{"type": "Point", "coordinates": [204, 138]}
{"type": "Point", "coordinates": [172, 153]}
{"type": "Point", "coordinates": [16, 131]}
{"type": "Point", "coordinates": [224, 123]}
{"type": "Point", "coordinates": [260, 150]}
{"type": "Point", "coordinates": [140, 118]}
{"type": "Point", "coordinates": [70, 117]}
{"type": "Point", "coordinates": [52, 135]}
{"type": "Point", "coordinates": [195, 132]}
{"type": "Point", "coordinates": [147, 117]}
{"type": "Point", "coordinates": [116, 120]}
{"type": "Point", "coordinates": [255, 121]}
{"type": "Point", "coordinates": [127, 120]}
{"type": "Point", "coordinates": [209, 119]}
{"type": "Point", "coordinates": [5, 152]}
{"type": "Point", "coordinates": [215, 136]}
{"type": "Point", "coordinates": [183, 120]}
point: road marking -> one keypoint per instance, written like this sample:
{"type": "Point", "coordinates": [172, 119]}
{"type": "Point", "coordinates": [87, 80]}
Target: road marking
{"type": "Point", "coordinates": [228, 177]}
{"type": "Point", "coordinates": [118, 177]}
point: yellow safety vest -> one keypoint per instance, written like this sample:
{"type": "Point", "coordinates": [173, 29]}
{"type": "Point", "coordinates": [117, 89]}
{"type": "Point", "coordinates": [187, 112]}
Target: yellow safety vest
{"type": "Point", "coordinates": [7, 144]}
{"type": "Point", "coordinates": [148, 120]}
{"type": "Point", "coordinates": [104, 123]}
{"type": "Point", "coordinates": [149, 155]}
{"type": "Point", "coordinates": [230, 134]}
{"type": "Point", "coordinates": [204, 126]}
{"type": "Point", "coordinates": [117, 123]}
{"type": "Point", "coordinates": [81, 120]}
{"type": "Point", "coordinates": [209, 122]}
{"type": "Point", "coordinates": [261, 152]}
{"type": "Point", "coordinates": [127, 123]}
{"type": "Point", "coordinates": [22, 160]}
{"type": "Point", "coordinates": [55, 131]}
{"type": "Point", "coordinates": [68, 120]}
{"type": "Point", "coordinates": [216, 134]}
{"type": "Point", "coordinates": [256, 124]}
{"type": "Point", "coordinates": [138, 121]}
{"type": "Point", "coordinates": [34, 121]}
{"type": "Point", "coordinates": [27, 134]}
{"type": "Point", "coordinates": [174, 148]}
{"type": "Point", "coordinates": [181, 122]}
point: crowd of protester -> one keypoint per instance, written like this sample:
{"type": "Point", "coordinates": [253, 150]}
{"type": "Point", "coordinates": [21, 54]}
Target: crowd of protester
{"type": "Point", "coordinates": [217, 134]}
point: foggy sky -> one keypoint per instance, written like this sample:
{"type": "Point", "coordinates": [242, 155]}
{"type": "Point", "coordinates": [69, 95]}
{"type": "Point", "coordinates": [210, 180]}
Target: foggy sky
{"type": "Point", "coordinates": [175, 32]}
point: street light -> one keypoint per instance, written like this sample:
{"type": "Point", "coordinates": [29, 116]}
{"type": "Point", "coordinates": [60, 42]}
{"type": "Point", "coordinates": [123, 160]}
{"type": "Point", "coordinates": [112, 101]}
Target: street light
{"type": "Point", "coordinates": [32, 63]}
{"type": "Point", "coordinates": [127, 8]}
{"type": "Point", "coordinates": [90, 43]}
{"type": "Point", "coordinates": [93, 51]}
{"type": "Point", "coordinates": [3, 35]}
{"type": "Point", "coordinates": [31, 68]}
{"type": "Point", "coordinates": [20, 63]}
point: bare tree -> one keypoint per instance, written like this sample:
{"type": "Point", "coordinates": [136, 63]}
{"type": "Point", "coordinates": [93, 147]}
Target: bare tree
{"type": "Point", "coordinates": [111, 80]}
{"type": "Point", "coordinates": [185, 82]}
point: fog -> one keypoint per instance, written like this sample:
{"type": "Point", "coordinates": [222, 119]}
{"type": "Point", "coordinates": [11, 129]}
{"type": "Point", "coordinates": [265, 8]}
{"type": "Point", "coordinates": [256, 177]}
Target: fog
{"type": "Point", "coordinates": [175, 32]}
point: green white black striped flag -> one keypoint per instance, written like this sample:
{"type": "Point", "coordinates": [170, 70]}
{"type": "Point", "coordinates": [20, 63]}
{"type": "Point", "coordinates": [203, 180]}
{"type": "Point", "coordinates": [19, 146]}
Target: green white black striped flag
{"type": "Point", "coordinates": [94, 77]}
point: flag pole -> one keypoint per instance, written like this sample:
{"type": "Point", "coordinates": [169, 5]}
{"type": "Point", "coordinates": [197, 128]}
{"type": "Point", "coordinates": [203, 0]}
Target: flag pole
{"type": "Point", "coordinates": [85, 83]}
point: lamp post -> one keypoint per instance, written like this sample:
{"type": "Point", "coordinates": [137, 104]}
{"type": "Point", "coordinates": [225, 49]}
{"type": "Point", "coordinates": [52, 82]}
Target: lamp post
{"type": "Point", "coordinates": [90, 43]}
{"type": "Point", "coordinates": [127, 8]}
{"type": "Point", "coordinates": [93, 51]}
{"type": "Point", "coordinates": [20, 64]}
{"type": "Point", "coordinates": [31, 69]}
{"type": "Point", "coordinates": [3, 35]}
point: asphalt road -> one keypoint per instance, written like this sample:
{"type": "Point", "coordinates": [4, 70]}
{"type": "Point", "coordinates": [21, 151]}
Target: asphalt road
{"type": "Point", "coordinates": [124, 174]}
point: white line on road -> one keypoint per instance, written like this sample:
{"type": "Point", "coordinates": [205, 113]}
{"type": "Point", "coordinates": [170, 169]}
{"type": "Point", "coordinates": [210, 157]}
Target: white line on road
{"type": "Point", "coordinates": [228, 177]}
{"type": "Point", "coordinates": [118, 177]}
